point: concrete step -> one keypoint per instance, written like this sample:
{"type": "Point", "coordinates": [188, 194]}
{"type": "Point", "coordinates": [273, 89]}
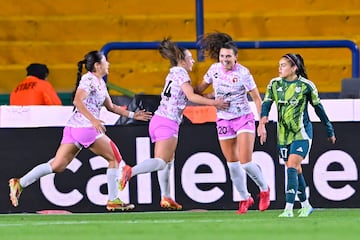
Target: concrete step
{"type": "Point", "coordinates": [148, 77]}
{"type": "Point", "coordinates": [59, 35]}
{"type": "Point", "coordinates": [95, 7]}
{"type": "Point", "coordinates": [49, 52]}
{"type": "Point", "coordinates": [70, 52]}
{"type": "Point", "coordinates": [326, 74]}
{"type": "Point", "coordinates": [44, 7]}
{"type": "Point", "coordinates": [180, 26]}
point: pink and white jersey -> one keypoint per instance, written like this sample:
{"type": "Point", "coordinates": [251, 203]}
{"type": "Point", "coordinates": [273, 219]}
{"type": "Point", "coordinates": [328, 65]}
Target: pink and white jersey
{"type": "Point", "coordinates": [173, 99]}
{"type": "Point", "coordinates": [96, 88]}
{"type": "Point", "coordinates": [232, 86]}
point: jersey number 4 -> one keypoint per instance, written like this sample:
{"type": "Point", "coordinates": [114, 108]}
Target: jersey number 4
{"type": "Point", "coordinates": [167, 90]}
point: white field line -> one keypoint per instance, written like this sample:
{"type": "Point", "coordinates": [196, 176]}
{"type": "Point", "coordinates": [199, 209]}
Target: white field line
{"type": "Point", "coordinates": [43, 223]}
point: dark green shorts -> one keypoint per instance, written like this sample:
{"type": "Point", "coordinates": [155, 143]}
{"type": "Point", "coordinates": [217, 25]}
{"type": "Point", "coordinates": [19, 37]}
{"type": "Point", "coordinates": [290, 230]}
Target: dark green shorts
{"type": "Point", "coordinates": [299, 147]}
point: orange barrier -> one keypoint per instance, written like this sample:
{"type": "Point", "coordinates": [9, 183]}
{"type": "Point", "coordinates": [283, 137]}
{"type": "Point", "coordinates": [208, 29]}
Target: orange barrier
{"type": "Point", "coordinates": [200, 114]}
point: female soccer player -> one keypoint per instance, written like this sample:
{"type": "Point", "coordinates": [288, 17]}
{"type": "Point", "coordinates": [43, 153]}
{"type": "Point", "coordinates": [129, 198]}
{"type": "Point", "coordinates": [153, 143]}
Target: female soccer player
{"type": "Point", "coordinates": [292, 92]}
{"type": "Point", "coordinates": [85, 129]}
{"type": "Point", "coordinates": [235, 125]}
{"type": "Point", "coordinates": [164, 125]}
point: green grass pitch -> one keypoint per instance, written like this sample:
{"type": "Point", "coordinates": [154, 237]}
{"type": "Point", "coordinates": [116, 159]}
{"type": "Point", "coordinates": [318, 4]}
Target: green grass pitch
{"type": "Point", "coordinates": [322, 224]}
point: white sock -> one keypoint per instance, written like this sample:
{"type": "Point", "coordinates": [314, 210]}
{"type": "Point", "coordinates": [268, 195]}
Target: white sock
{"type": "Point", "coordinates": [305, 203]}
{"type": "Point", "coordinates": [163, 178]}
{"type": "Point", "coordinates": [148, 165]}
{"type": "Point", "coordinates": [289, 206]}
{"type": "Point", "coordinates": [112, 175]}
{"type": "Point", "coordinates": [35, 173]}
{"type": "Point", "coordinates": [254, 172]}
{"type": "Point", "coordinates": [238, 176]}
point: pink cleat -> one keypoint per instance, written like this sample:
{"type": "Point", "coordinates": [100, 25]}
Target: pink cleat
{"type": "Point", "coordinates": [264, 202]}
{"type": "Point", "coordinates": [245, 205]}
{"type": "Point", "coordinates": [126, 175]}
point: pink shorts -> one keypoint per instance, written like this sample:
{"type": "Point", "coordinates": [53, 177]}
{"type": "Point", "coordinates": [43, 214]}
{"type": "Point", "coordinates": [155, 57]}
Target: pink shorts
{"type": "Point", "coordinates": [81, 137]}
{"type": "Point", "coordinates": [161, 128]}
{"type": "Point", "coordinates": [228, 129]}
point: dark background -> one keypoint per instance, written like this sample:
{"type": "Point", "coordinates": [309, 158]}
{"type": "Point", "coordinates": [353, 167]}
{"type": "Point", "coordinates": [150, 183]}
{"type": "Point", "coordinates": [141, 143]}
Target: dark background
{"type": "Point", "coordinates": [22, 149]}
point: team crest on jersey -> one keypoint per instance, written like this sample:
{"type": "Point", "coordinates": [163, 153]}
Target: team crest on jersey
{"type": "Point", "coordinates": [298, 89]}
{"type": "Point", "coordinates": [234, 80]}
{"type": "Point", "coordinates": [294, 102]}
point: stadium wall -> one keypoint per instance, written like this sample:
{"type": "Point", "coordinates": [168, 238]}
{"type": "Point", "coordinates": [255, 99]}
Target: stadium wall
{"type": "Point", "coordinates": [200, 179]}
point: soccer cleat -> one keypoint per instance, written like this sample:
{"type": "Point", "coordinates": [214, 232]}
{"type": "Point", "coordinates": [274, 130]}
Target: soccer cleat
{"type": "Point", "coordinates": [264, 202]}
{"type": "Point", "coordinates": [126, 175]}
{"type": "Point", "coordinates": [117, 204]}
{"type": "Point", "coordinates": [287, 214]}
{"type": "Point", "coordinates": [305, 211]}
{"type": "Point", "coordinates": [244, 205]}
{"type": "Point", "coordinates": [170, 204]}
{"type": "Point", "coordinates": [15, 191]}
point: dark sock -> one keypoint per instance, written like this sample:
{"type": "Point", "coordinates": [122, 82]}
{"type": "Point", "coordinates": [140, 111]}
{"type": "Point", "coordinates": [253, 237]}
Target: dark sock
{"type": "Point", "coordinates": [292, 185]}
{"type": "Point", "coordinates": [301, 189]}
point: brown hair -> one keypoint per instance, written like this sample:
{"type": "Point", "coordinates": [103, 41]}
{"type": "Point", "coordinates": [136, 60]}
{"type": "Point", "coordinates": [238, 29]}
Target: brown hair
{"type": "Point", "coordinates": [211, 43]}
{"type": "Point", "coordinates": [169, 50]}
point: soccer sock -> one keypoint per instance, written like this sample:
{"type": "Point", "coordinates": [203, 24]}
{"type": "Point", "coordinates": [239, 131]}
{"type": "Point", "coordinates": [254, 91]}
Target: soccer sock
{"type": "Point", "coordinates": [289, 206]}
{"type": "Point", "coordinates": [302, 187]}
{"type": "Point", "coordinates": [254, 172]}
{"type": "Point", "coordinates": [292, 185]}
{"type": "Point", "coordinates": [163, 178]}
{"type": "Point", "coordinates": [305, 203]}
{"type": "Point", "coordinates": [35, 173]}
{"type": "Point", "coordinates": [112, 175]}
{"type": "Point", "coordinates": [302, 191]}
{"type": "Point", "coordinates": [238, 177]}
{"type": "Point", "coordinates": [149, 165]}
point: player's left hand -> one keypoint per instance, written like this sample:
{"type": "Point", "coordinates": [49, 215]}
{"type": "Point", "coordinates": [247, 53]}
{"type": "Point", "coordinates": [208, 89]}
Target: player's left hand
{"type": "Point", "coordinates": [261, 132]}
{"type": "Point", "coordinates": [143, 115]}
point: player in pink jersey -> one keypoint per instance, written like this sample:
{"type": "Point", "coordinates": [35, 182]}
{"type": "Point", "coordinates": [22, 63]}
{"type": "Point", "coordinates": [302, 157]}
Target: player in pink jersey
{"type": "Point", "coordinates": [85, 129]}
{"type": "Point", "coordinates": [164, 125]}
{"type": "Point", "coordinates": [236, 124]}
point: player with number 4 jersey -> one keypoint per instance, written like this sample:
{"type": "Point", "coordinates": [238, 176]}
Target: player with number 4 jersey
{"type": "Point", "coordinates": [164, 125]}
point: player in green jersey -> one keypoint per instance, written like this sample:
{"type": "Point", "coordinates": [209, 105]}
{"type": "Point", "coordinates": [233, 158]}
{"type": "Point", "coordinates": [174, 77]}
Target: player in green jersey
{"type": "Point", "coordinates": [292, 92]}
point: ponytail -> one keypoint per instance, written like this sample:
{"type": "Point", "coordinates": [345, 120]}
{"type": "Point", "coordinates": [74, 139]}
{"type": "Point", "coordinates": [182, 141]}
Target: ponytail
{"type": "Point", "coordinates": [169, 50]}
{"type": "Point", "coordinates": [89, 61]}
{"type": "Point", "coordinates": [78, 78]}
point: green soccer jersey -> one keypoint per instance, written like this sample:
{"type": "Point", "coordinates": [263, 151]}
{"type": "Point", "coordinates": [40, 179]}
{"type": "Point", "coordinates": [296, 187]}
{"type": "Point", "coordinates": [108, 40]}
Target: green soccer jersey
{"type": "Point", "coordinates": [292, 98]}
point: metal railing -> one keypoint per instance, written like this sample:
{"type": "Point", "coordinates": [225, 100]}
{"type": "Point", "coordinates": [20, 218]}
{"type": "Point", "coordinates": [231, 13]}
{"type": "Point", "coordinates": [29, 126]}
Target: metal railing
{"type": "Point", "coordinates": [244, 45]}
{"type": "Point", "coordinates": [252, 45]}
